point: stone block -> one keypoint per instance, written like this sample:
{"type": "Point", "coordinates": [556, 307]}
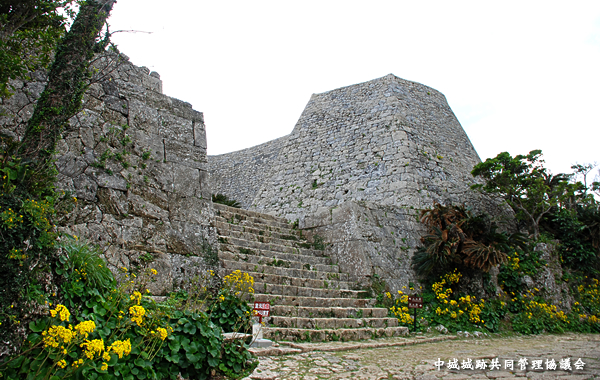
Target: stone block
{"type": "Point", "coordinates": [103, 179]}
{"type": "Point", "coordinates": [140, 207]}
{"type": "Point", "coordinates": [143, 117]}
{"type": "Point", "coordinates": [71, 165]}
{"type": "Point", "coordinates": [185, 153]}
{"type": "Point", "coordinates": [176, 128]}
{"type": "Point", "coordinates": [162, 282]}
{"type": "Point", "coordinates": [85, 187]}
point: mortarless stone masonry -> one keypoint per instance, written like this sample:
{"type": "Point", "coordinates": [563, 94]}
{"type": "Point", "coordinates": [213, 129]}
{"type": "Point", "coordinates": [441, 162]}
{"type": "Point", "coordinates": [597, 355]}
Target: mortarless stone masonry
{"type": "Point", "coordinates": [357, 168]}
{"type": "Point", "coordinates": [360, 163]}
{"type": "Point", "coordinates": [136, 161]}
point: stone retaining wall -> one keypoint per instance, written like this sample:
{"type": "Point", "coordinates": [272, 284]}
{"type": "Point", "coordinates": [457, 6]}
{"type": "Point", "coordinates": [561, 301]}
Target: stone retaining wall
{"type": "Point", "coordinates": [240, 175]}
{"type": "Point", "coordinates": [360, 163]}
{"type": "Point", "coordinates": [135, 159]}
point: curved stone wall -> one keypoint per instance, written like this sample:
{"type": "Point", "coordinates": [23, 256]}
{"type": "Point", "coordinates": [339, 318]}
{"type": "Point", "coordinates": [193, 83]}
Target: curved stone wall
{"type": "Point", "coordinates": [360, 163]}
{"type": "Point", "coordinates": [240, 175]}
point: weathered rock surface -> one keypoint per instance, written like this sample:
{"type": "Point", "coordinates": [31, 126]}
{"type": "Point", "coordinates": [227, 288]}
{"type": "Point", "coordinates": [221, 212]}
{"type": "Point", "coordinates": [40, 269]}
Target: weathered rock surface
{"type": "Point", "coordinates": [135, 159]}
{"type": "Point", "coordinates": [360, 163]}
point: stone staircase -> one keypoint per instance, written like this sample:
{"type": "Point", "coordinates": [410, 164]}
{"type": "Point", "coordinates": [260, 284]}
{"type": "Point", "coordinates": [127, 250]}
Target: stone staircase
{"type": "Point", "coordinates": [311, 300]}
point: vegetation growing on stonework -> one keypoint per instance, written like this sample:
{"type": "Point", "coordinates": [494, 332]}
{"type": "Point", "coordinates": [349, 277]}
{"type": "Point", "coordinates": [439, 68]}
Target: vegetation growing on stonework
{"type": "Point", "coordinates": [63, 313]}
{"type": "Point", "coordinates": [108, 328]}
{"type": "Point", "coordinates": [458, 239]}
{"type": "Point", "coordinates": [559, 210]}
{"type": "Point", "coordinates": [224, 200]}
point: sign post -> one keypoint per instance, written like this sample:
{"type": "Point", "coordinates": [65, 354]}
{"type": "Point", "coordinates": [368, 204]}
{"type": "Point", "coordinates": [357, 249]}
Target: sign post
{"type": "Point", "coordinates": [262, 309]}
{"type": "Point", "coordinates": [415, 303]}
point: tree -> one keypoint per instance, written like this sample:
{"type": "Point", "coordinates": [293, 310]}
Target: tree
{"type": "Point", "coordinates": [27, 236]}
{"type": "Point", "coordinates": [67, 81]}
{"type": "Point", "coordinates": [29, 33]}
{"type": "Point", "coordinates": [525, 184]}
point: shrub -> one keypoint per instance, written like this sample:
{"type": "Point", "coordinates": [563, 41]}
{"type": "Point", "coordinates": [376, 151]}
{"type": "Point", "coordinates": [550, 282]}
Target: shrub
{"type": "Point", "coordinates": [222, 199]}
{"type": "Point", "coordinates": [111, 330]}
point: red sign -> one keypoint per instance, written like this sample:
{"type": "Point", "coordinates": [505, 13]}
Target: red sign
{"type": "Point", "coordinates": [262, 309]}
{"type": "Point", "coordinates": [415, 302]}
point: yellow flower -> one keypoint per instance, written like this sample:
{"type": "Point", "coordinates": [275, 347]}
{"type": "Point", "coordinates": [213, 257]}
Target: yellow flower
{"type": "Point", "coordinates": [137, 312]}
{"type": "Point", "coordinates": [57, 335]}
{"type": "Point", "coordinates": [93, 348]}
{"type": "Point", "coordinates": [62, 312]}
{"type": "Point", "coordinates": [85, 328]}
{"type": "Point", "coordinates": [154, 272]}
{"type": "Point", "coordinates": [162, 332]}
{"type": "Point", "coordinates": [121, 347]}
{"type": "Point", "coordinates": [61, 363]}
{"type": "Point", "coordinates": [104, 367]}
{"type": "Point", "coordinates": [136, 296]}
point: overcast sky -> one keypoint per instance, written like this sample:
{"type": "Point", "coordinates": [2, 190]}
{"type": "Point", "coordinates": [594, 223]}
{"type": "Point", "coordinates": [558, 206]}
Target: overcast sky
{"type": "Point", "coordinates": [519, 75]}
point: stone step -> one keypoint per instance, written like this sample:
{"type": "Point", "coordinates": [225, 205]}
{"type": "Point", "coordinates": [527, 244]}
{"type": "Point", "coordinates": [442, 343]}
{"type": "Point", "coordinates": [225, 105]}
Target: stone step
{"type": "Point", "coordinates": [262, 257]}
{"type": "Point", "coordinates": [331, 323]}
{"type": "Point", "coordinates": [279, 233]}
{"type": "Point", "coordinates": [328, 278]}
{"type": "Point", "coordinates": [287, 240]}
{"type": "Point", "coordinates": [254, 214]}
{"type": "Point", "coordinates": [301, 291]}
{"type": "Point", "coordinates": [258, 246]}
{"type": "Point", "coordinates": [256, 222]}
{"type": "Point", "coordinates": [318, 335]}
{"type": "Point", "coordinates": [294, 281]}
{"type": "Point", "coordinates": [260, 261]}
{"type": "Point", "coordinates": [328, 312]}
{"type": "Point", "coordinates": [225, 226]}
{"type": "Point", "coordinates": [314, 302]}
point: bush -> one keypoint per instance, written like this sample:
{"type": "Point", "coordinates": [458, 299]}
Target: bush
{"type": "Point", "coordinates": [111, 330]}
{"type": "Point", "coordinates": [222, 199]}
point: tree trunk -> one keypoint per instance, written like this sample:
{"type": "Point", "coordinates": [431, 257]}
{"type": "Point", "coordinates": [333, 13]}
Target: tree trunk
{"type": "Point", "coordinates": [67, 81]}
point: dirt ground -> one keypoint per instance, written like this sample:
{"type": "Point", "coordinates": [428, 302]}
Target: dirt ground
{"type": "Point", "coordinates": [416, 357]}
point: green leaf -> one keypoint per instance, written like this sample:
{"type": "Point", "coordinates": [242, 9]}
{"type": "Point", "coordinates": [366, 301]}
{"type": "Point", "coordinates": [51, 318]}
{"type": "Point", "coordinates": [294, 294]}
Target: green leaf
{"type": "Point", "coordinates": [192, 358]}
{"type": "Point", "coordinates": [39, 325]}
{"type": "Point", "coordinates": [174, 345]}
{"type": "Point", "coordinates": [98, 309]}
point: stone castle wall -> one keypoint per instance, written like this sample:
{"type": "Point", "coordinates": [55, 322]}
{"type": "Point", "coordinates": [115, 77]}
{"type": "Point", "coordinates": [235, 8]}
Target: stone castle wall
{"type": "Point", "coordinates": [360, 163]}
{"type": "Point", "coordinates": [136, 161]}
{"type": "Point", "coordinates": [241, 175]}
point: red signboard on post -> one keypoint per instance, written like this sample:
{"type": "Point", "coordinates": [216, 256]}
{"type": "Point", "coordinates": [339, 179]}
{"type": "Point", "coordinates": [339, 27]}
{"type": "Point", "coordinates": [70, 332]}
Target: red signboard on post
{"type": "Point", "coordinates": [262, 309]}
{"type": "Point", "coordinates": [415, 302]}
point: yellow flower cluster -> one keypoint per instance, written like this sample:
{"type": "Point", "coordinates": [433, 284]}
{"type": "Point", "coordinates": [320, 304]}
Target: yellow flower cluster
{"type": "Point", "coordinates": [513, 262]}
{"type": "Point", "coordinates": [161, 332]}
{"type": "Point", "coordinates": [57, 336]}
{"type": "Point", "coordinates": [82, 274]}
{"type": "Point", "coordinates": [39, 212]}
{"type": "Point", "coordinates": [85, 328]}
{"type": "Point", "coordinates": [62, 312]}
{"type": "Point", "coordinates": [16, 254]}
{"type": "Point", "coordinates": [10, 218]}
{"type": "Point", "coordinates": [121, 347]}
{"type": "Point", "coordinates": [239, 282]}
{"type": "Point", "coordinates": [466, 305]}
{"type": "Point", "coordinates": [93, 348]}
{"type": "Point", "coordinates": [402, 313]}
{"type": "Point", "coordinates": [137, 297]}
{"type": "Point", "coordinates": [137, 313]}
{"type": "Point", "coordinates": [538, 309]}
